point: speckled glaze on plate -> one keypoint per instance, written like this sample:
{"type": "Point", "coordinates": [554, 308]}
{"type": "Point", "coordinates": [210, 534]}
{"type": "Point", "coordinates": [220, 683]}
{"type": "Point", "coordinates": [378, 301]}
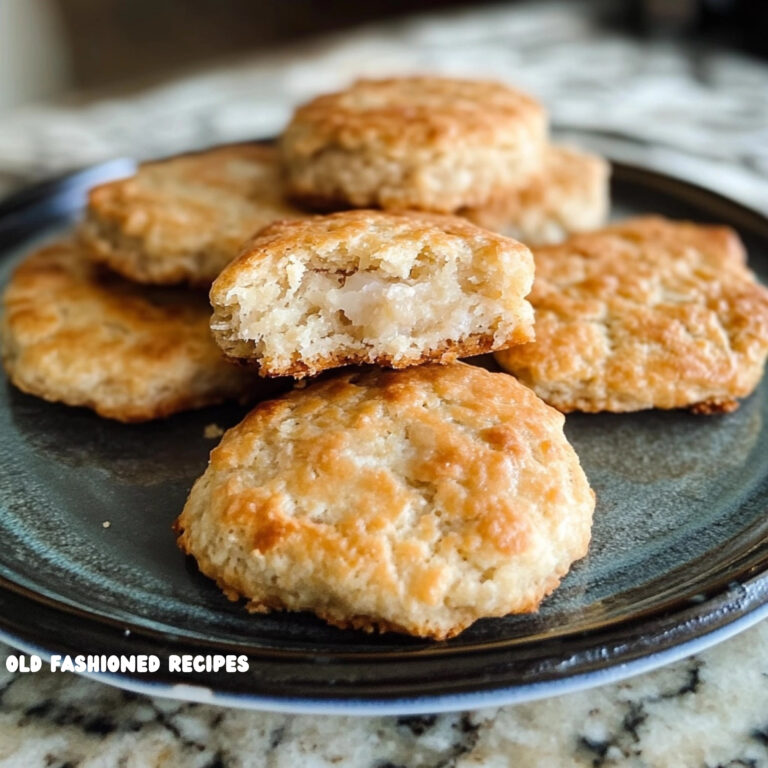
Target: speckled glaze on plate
{"type": "Point", "coordinates": [678, 560]}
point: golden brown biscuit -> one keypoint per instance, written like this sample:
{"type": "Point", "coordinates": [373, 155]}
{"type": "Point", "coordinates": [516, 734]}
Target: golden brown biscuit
{"type": "Point", "coordinates": [72, 333]}
{"type": "Point", "coordinates": [413, 142]}
{"type": "Point", "coordinates": [360, 287]}
{"type": "Point", "coordinates": [649, 313]}
{"type": "Point", "coordinates": [570, 194]}
{"type": "Point", "coordinates": [417, 501]}
{"type": "Point", "coordinates": [183, 219]}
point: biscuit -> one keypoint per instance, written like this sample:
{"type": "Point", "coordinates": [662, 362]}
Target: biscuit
{"type": "Point", "coordinates": [417, 501]}
{"type": "Point", "coordinates": [183, 219]}
{"type": "Point", "coordinates": [73, 334]}
{"type": "Point", "coordinates": [569, 195]}
{"type": "Point", "coordinates": [429, 143]}
{"type": "Point", "coordinates": [648, 313]}
{"type": "Point", "coordinates": [361, 287]}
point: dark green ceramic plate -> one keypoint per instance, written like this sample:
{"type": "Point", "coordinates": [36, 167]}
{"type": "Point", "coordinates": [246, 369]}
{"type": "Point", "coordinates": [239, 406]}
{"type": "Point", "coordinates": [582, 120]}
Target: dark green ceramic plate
{"type": "Point", "coordinates": [677, 561]}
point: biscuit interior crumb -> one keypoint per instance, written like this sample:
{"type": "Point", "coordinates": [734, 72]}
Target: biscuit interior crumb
{"type": "Point", "coordinates": [389, 294]}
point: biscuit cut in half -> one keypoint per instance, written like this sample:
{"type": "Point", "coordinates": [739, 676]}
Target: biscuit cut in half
{"type": "Point", "coordinates": [415, 501]}
{"type": "Point", "coordinates": [184, 219]}
{"type": "Point", "coordinates": [569, 195]}
{"type": "Point", "coordinates": [393, 289]}
{"type": "Point", "coordinates": [74, 334]}
{"type": "Point", "coordinates": [648, 313]}
{"type": "Point", "coordinates": [430, 143]}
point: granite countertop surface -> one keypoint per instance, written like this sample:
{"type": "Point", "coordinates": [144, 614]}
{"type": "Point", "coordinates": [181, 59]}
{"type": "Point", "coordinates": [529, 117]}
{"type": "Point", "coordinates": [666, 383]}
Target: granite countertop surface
{"type": "Point", "coordinates": [709, 710]}
{"type": "Point", "coordinates": [698, 114]}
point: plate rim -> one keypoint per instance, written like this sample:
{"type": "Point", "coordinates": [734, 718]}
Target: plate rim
{"type": "Point", "coordinates": [415, 705]}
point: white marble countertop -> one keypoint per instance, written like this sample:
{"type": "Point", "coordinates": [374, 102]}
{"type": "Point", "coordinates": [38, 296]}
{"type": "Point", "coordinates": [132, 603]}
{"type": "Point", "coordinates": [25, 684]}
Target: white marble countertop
{"type": "Point", "coordinates": [698, 114]}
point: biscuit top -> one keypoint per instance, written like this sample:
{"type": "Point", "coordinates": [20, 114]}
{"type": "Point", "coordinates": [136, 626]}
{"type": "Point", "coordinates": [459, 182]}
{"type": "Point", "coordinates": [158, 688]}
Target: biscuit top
{"type": "Point", "coordinates": [390, 243]}
{"type": "Point", "coordinates": [85, 301]}
{"type": "Point", "coordinates": [417, 500]}
{"type": "Point", "coordinates": [646, 313]}
{"type": "Point", "coordinates": [415, 112]}
{"type": "Point", "coordinates": [189, 190]}
{"type": "Point", "coordinates": [639, 259]}
{"type": "Point", "coordinates": [185, 217]}
{"type": "Point", "coordinates": [436, 460]}
{"type": "Point", "coordinates": [75, 332]}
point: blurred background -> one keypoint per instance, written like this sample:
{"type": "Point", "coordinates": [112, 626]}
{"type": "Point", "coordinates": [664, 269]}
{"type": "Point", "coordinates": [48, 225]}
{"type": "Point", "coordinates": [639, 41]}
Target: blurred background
{"type": "Point", "coordinates": [83, 80]}
{"type": "Point", "coordinates": [52, 47]}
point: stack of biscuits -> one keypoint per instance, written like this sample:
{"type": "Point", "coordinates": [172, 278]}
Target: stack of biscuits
{"type": "Point", "coordinates": [410, 492]}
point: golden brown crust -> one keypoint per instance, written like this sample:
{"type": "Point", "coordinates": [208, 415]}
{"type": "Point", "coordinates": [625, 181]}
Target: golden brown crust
{"type": "Point", "coordinates": [415, 111]}
{"type": "Point", "coordinates": [393, 252]}
{"type": "Point", "coordinates": [183, 219]}
{"type": "Point", "coordinates": [416, 501]}
{"type": "Point", "coordinates": [448, 352]}
{"type": "Point", "coordinates": [648, 313]}
{"type": "Point", "coordinates": [74, 334]}
{"type": "Point", "coordinates": [569, 194]}
{"type": "Point", "coordinates": [319, 231]}
{"type": "Point", "coordinates": [413, 142]}
{"type": "Point", "coordinates": [709, 407]}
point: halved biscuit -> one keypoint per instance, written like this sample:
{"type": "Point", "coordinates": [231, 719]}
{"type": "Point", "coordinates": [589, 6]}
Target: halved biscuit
{"type": "Point", "coordinates": [185, 218]}
{"type": "Point", "coordinates": [430, 143]}
{"type": "Point", "coordinates": [360, 287]}
{"type": "Point", "coordinates": [74, 334]}
{"type": "Point", "coordinates": [570, 194]}
{"type": "Point", "coordinates": [417, 501]}
{"type": "Point", "coordinates": [648, 313]}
